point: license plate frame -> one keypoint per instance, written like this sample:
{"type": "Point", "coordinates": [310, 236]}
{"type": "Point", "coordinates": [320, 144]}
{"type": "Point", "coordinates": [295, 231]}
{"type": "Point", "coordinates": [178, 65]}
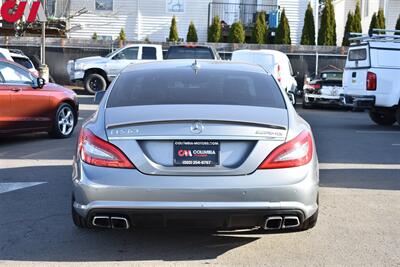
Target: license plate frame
{"type": "Point", "coordinates": [196, 153]}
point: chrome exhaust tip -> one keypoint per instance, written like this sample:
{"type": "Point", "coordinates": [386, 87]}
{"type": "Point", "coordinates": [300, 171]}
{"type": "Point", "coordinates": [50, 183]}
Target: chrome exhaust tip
{"type": "Point", "coordinates": [273, 223]}
{"type": "Point", "coordinates": [290, 222]}
{"type": "Point", "coordinates": [101, 221]}
{"type": "Point", "coordinates": [119, 223]}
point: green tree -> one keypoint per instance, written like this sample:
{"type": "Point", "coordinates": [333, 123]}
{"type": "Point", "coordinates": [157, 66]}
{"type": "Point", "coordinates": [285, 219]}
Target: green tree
{"type": "Point", "coordinates": [357, 27]}
{"type": "Point", "coordinates": [398, 26]}
{"type": "Point", "coordinates": [348, 29]}
{"type": "Point", "coordinates": [381, 19]}
{"type": "Point", "coordinates": [327, 31]}
{"type": "Point", "coordinates": [236, 33]}
{"type": "Point", "coordinates": [192, 33]}
{"type": "Point", "coordinates": [283, 31]}
{"type": "Point", "coordinates": [215, 31]}
{"type": "Point", "coordinates": [94, 36]}
{"type": "Point", "coordinates": [374, 23]}
{"type": "Point", "coordinates": [173, 31]}
{"type": "Point", "coordinates": [308, 34]}
{"type": "Point", "coordinates": [260, 29]}
{"type": "Point", "coordinates": [122, 35]}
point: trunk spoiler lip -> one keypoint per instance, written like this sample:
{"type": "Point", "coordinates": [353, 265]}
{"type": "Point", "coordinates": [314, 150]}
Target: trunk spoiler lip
{"type": "Point", "coordinates": [168, 121]}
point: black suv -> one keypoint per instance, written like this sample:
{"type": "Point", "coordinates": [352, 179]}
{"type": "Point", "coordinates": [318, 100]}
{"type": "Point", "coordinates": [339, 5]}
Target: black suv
{"type": "Point", "coordinates": [192, 52]}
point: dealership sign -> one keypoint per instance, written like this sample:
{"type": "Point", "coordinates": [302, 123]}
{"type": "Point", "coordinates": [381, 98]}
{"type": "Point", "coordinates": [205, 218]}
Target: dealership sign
{"type": "Point", "coordinates": [11, 11]}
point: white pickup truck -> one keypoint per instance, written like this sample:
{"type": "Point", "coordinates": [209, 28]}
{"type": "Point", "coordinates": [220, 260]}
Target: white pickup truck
{"type": "Point", "coordinates": [98, 72]}
{"type": "Point", "coordinates": [371, 79]}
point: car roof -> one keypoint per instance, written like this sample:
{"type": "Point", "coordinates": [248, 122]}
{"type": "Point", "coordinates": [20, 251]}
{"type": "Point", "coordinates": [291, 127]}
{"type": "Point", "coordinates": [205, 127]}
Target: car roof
{"type": "Point", "coordinates": [261, 51]}
{"type": "Point", "coordinates": [18, 55]}
{"type": "Point", "coordinates": [203, 64]}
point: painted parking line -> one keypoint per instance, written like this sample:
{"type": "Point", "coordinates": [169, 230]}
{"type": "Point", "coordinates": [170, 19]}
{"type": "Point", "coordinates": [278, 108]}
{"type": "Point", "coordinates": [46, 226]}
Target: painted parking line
{"type": "Point", "coordinates": [358, 166]}
{"type": "Point", "coordinates": [377, 132]}
{"type": "Point", "coordinates": [22, 163]}
{"type": "Point", "coordinates": [88, 107]}
{"type": "Point", "coordinates": [9, 187]}
{"type": "Point", "coordinates": [395, 144]}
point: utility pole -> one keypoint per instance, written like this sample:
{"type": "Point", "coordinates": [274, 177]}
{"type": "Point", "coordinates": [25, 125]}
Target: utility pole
{"type": "Point", "coordinates": [43, 70]}
{"type": "Point", "coordinates": [316, 35]}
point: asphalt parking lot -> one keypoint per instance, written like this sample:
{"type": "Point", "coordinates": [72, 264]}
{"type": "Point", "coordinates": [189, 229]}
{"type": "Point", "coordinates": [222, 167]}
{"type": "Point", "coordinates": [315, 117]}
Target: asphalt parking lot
{"type": "Point", "coordinates": [359, 222]}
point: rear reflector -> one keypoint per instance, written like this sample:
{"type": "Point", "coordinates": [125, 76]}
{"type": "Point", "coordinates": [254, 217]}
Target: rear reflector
{"type": "Point", "coordinates": [297, 152]}
{"type": "Point", "coordinates": [95, 151]}
{"type": "Point", "coordinates": [371, 81]}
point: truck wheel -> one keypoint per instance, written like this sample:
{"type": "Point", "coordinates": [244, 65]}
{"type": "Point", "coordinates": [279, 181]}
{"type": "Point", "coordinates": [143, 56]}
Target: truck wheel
{"type": "Point", "coordinates": [94, 83]}
{"type": "Point", "coordinates": [398, 115]}
{"type": "Point", "coordinates": [382, 118]}
{"type": "Point", "coordinates": [306, 105]}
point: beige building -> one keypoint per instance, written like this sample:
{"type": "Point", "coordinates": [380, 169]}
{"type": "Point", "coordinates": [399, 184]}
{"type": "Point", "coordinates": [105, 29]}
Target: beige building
{"type": "Point", "coordinates": [368, 7]}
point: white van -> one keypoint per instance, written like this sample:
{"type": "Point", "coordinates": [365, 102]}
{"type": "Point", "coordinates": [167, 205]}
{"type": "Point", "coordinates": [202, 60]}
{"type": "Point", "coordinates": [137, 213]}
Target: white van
{"type": "Point", "coordinates": [371, 79]}
{"type": "Point", "coordinates": [275, 62]}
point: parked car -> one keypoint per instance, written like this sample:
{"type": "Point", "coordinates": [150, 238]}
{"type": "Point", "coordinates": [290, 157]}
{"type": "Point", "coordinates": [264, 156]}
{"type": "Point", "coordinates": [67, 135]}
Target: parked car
{"type": "Point", "coordinates": [192, 51]}
{"type": "Point", "coordinates": [19, 57]}
{"type": "Point", "coordinates": [27, 104]}
{"type": "Point", "coordinates": [326, 89]}
{"type": "Point", "coordinates": [275, 62]}
{"type": "Point", "coordinates": [96, 73]}
{"type": "Point", "coordinates": [198, 143]}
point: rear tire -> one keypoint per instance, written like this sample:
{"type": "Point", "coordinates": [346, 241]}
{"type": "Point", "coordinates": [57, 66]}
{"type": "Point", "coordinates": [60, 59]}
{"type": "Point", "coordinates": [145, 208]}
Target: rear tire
{"type": "Point", "coordinates": [306, 105]}
{"type": "Point", "coordinates": [94, 83]}
{"type": "Point", "coordinates": [78, 220]}
{"type": "Point", "coordinates": [398, 115]}
{"type": "Point", "coordinates": [382, 118]}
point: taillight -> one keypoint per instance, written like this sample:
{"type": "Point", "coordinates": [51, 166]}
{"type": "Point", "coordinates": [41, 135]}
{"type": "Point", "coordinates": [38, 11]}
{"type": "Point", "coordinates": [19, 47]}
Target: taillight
{"type": "Point", "coordinates": [371, 81]}
{"type": "Point", "coordinates": [297, 152]}
{"type": "Point", "coordinates": [95, 151]}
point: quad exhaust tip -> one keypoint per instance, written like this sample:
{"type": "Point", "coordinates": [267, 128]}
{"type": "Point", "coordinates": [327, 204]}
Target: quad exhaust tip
{"type": "Point", "coordinates": [278, 222]}
{"type": "Point", "coordinates": [110, 222]}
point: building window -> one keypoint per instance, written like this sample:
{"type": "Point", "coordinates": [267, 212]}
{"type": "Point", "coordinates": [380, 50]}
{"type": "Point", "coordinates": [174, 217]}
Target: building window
{"type": "Point", "coordinates": [104, 5]}
{"type": "Point", "coordinates": [175, 6]}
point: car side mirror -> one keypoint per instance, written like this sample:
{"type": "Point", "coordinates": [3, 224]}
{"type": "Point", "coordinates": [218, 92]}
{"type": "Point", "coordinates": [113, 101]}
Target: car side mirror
{"type": "Point", "coordinates": [98, 97]}
{"type": "Point", "coordinates": [40, 82]}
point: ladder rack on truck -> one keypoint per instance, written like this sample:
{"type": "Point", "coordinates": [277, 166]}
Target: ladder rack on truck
{"type": "Point", "coordinates": [378, 35]}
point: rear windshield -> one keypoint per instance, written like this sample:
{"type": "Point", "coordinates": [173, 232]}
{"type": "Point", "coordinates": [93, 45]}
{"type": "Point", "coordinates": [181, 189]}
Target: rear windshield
{"type": "Point", "coordinates": [358, 54]}
{"type": "Point", "coordinates": [184, 86]}
{"type": "Point", "coordinates": [181, 52]}
{"type": "Point", "coordinates": [24, 62]}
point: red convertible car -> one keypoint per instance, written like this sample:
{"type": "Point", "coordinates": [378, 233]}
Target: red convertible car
{"type": "Point", "coordinates": [27, 104]}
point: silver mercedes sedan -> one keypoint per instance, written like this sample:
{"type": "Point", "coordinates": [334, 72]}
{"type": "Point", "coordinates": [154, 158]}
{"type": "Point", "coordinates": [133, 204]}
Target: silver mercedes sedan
{"type": "Point", "coordinates": [195, 144]}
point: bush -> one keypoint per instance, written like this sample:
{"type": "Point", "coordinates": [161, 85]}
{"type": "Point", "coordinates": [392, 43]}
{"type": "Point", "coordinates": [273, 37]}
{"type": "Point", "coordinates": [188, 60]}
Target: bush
{"type": "Point", "coordinates": [357, 27]}
{"type": "Point", "coordinates": [173, 31]}
{"type": "Point", "coordinates": [348, 29]}
{"type": "Point", "coordinates": [283, 31]}
{"type": "Point", "coordinates": [398, 25]}
{"type": "Point", "coordinates": [308, 34]}
{"type": "Point", "coordinates": [192, 34]}
{"type": "Point", "coordinates": [94, 36]}
{"type": "Point", "coordinates": [215, 31]}
{"type": "Point", "coordinates": [259, 30]}
{"type": "Point", "coordinates": [327, 31]}
{"type": "Point", "coordinates": [122, 35]}
{"type": "Point", "coordinates": [374, 23]}
{"type": "Point", "coordinates": [381, 19]}
{"type": "Point", "coordinates": [237, 34]}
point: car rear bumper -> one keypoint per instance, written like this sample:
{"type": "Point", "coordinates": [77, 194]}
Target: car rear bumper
{"type": "Point", "coordinates": [118, 191]}
{"type": "Point", "coordinates": [358, 101]}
